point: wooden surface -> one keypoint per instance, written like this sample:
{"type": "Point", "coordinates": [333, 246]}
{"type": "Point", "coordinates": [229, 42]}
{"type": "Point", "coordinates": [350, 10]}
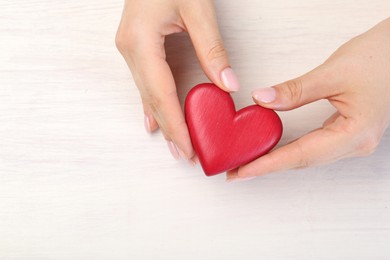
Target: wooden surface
{"type": "Point", "coordinates": [80, 179]}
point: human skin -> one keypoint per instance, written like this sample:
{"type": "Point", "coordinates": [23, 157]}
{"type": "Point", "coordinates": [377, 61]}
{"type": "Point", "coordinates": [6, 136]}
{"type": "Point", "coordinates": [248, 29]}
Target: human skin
{"type": "Point", "coordinates": [140, 40]}
{"type": "Point", "coordinates": [356, 81]}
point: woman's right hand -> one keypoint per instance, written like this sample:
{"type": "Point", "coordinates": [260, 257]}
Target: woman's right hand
{"type": "Point", "coordinates": [140, 39]}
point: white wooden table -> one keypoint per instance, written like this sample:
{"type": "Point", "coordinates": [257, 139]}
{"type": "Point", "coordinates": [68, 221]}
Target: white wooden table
{"type": "Point", "coordinates": [80, 179]}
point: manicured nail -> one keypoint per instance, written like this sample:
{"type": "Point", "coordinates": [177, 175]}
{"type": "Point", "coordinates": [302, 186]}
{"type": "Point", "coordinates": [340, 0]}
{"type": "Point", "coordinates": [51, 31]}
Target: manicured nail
{"type": "Point", "coordinates": [147, 124]}
{"type": "Point", "coordinates": [229, 79]}
{"type": "Point", "coordinates": [193, 161]}
{"type": "Point", "coordinates": [264, 95]}
{"type": "Point", "coordinates": [181, 153]}
{"type": "Point", "coordinates": [247, 178]}
{"type": "Point", "coordinates": [173, 150]}
{"type": "Point", "coordinates": [240, 179]}
{"type": "Point", "coordinates": [184, 157]}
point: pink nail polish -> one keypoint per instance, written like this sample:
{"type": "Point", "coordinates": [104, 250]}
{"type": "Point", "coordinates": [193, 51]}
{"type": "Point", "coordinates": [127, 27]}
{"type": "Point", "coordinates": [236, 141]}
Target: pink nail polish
{"type": "Point", "coordinates": [195, 159]}
{"type": "Point", "coordinates": [247, 178]}
{"type": "Point", "coordinates": [173, 150]}
{"type": "Point", "coordinates": [181, 153]}
{"type": "Point", "coordinates": [240, 179]}
{"type": "Point", "coordinates": [147, 124]}
{"type": "Point", "coordinates": [184, 157]}
{"type": "Point", "coordinates": [229, 79]}
{"type": "Point", "coordinates": [265, 95]}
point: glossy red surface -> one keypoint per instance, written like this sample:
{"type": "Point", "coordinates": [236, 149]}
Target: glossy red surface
{"type": "Point", "coordinates": [224, 138]}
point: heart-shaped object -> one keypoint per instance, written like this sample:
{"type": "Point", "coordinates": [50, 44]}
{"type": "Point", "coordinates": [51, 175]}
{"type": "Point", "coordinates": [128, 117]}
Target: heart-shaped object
{"type": "Point", "coordinates": [224, 138]}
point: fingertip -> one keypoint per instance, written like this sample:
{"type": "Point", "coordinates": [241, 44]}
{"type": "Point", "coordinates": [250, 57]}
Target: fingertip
{"type": "Point", "coordinates": [229, 79]}
{"type": "Point", "coordinates": [235, 176]}
{"type": "Point", "coordinates": [295, 93]}
{"type": "Point", "coordinates": [264, 95]}
{"type": "Point", "coordinates": [150, 124]}
{"type": "Point", "coordinates": [194, 159]}
{"type": "Point", "coordinates": [232, 175]}
{"type": "Point", "coordinates": [173, 149]}
{"type": "Point", "coordinates": [267, 97]}
{"type": "Point", "coordinates": [259, 167]}
{"type": "Point", "coordinates": [185, 150]}
{"type": "Point", "coordinates": [182, 154]}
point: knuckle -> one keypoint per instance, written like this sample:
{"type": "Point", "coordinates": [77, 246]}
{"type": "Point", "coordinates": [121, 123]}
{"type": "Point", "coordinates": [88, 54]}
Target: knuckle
{"type": "Point", "coordinates": [217, 50]}
{"type": "Point", "coordinates": [154, 102]}
{"type": "Point", "coordinates": [173, 127]}
{"type": "Point", "coordinates": [125, 40]}
{"type": "Point", "coordinates": [120, 41]}
{"type": "Point", "coordinates": [368, 145]}
{"type": "Point", "coordinates": [156, 97]}
{"type": "Point", "coordinates": [158, 104]}
{"type": "Point", "coordinates": [303, 161]}
{"type": "Point", "coordinates": [293, 90]}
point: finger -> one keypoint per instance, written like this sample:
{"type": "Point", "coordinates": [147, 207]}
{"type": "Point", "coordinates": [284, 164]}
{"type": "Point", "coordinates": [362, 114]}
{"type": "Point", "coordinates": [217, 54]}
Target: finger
{"type": "Point", "coordinates": [201, 24]}
{"type": "Point", "coordinates": [149, 121]}
{"type": "Point", "coordinates": [232, 176]}
{"type": "Point", "coordinates": [320, 83]}
{"type": "Point", "coordinates": [321, 146]}
{"type": "Point", "coordinates": [161, 96]}
{"type": "Point", "coordinates": [158, 91]}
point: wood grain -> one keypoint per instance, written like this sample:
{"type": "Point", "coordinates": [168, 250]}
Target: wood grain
{"type": "Point", "coordinates": [80, 179]}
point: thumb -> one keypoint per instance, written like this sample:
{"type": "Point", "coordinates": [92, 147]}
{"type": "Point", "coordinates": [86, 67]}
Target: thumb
{"type": "Point", "coordinates": [315, 85]}
{"type": "Point", "coordinates": [203, 29]}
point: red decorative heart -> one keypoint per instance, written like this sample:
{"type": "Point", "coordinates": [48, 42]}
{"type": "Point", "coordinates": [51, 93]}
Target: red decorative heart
{"type": "Point", "coordinates": [223, 138]}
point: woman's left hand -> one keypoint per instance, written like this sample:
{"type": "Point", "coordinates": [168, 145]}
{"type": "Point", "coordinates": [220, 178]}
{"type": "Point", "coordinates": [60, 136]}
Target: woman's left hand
{"type": "Point", "coordinates": [356, 81]}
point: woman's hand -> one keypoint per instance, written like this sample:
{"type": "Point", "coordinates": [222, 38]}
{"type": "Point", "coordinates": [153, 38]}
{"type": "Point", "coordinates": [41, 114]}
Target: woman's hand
{"type": "Point", "coordinates": [356, 81]}
{"type": "Point", "coordinates": [140, 39]}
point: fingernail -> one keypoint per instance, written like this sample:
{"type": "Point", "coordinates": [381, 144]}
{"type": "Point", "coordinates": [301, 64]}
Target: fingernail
{"type": "Point", "coordinates": [181, 153]}
{"type": "Point", "coordinates": [173, 150]}
{"type": "Point", "coordinates": [191, 162]}
{"type": "Point", "coordinates": [240, 179]}
{"type": "Point", "coordinates": [264, 95]}
{"type": "Point", "coordinates": [247, 178]}
{"type": "Point", "coordinates": [147, 124]}
{"type": "Point", "coordinates": [184, 157]}
{"type": "Point", "coordinates": [229, 79]}
{"type": "Point", "coordinates": [194, 160]}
